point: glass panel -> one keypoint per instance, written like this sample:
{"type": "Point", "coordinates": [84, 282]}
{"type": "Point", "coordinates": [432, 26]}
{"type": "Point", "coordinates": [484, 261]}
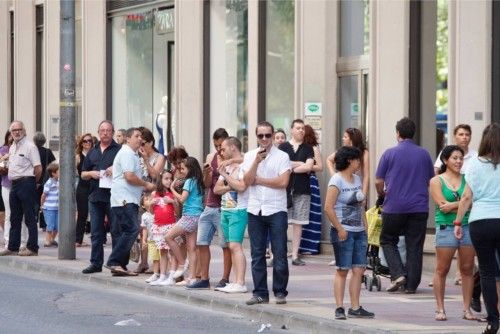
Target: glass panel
{"type": "Point", "coordinates": [354, 27]}
{"type": "Point", "coordinates": [229, 67]}
{"type": "Point", "coordinates": [280, 62]}
{"type": "Point", "coordinates": [350, 113]}
{"type": "Point", "coordinates": [163, 33]}
{"type": "Point", "coordinates": [132, 70]}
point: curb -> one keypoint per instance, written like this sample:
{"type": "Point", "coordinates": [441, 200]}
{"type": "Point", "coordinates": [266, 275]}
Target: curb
{"type": "Point", "coordinates": [260, 314]}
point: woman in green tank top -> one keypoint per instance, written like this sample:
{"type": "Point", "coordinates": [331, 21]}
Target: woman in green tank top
{"type": "Point", "coordinates": [446, 190]}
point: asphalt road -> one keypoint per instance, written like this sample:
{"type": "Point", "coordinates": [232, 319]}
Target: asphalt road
{"type": "Point", "coordinates": [39, 304]}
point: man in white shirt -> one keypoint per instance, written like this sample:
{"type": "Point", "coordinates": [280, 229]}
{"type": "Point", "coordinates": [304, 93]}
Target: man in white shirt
{"type": "Point", "coordinates": [462, 135]}
{"type": "Point", "coordinates": [266, 174]}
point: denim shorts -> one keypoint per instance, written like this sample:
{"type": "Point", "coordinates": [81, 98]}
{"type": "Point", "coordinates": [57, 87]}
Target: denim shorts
{"type": "Point", "coordinates": [51, 217]}
{"type": "Point", "coordinates": [350, 252]}
{"type": "Point", "coordinates": [446, 238]}
{"type": "Point", "coordinates": [234, 224]}
{"type": "Point", "coordinates": [208, 224]}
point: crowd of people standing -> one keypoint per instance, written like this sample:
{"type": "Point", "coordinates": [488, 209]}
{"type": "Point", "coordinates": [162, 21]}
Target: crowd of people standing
{"type": "Point", "coordinates": [173, 206]}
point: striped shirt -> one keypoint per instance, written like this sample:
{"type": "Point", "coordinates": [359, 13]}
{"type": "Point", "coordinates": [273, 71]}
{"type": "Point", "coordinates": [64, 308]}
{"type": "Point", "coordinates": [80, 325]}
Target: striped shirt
{"type": "Point", "coordinates": [51, 191]}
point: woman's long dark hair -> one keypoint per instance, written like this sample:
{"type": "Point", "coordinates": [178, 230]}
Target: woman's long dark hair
{"type": "Point", "coordinates": [6, 141]}
{"type": "Point", "coordinates": [490, 144]}
{"type": "Point", "coordinates": [446, 154]}
{"type": "Point", "coordinates": [160, 188]}
{"type": "Point", "coordinates": [194, 171]}
{"type": "Point", "coordinates": [357, 139]}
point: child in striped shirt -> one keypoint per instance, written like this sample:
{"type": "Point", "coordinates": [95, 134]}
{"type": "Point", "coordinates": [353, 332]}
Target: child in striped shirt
{"type": "Point", "coordinates": [50, 204]}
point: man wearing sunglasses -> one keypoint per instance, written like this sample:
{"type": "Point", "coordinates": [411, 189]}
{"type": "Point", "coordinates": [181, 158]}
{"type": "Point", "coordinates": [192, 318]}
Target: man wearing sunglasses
{"type": "Point", "coordinates": [266, 174]}
{"type": "Point", "coordinates": [98, 164]}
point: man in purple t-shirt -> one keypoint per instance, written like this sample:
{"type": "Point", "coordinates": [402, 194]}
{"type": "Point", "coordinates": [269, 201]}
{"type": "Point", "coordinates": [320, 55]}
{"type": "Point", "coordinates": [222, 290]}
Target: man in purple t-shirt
{"type": "Point", "coordinates": [402, 177]}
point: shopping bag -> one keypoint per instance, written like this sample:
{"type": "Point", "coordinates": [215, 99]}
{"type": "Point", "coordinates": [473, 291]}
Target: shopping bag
{"type": "Point", "coordinates": [374, 219]}
{"type": "Point", "coordinates": [135, 252]}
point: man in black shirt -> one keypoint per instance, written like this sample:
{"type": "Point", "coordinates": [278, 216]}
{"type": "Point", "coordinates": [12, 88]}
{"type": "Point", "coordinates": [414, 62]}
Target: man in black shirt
{"type": "Point", "coordinates": [99, 164]}
{"type": "Point", "coordinates": [299, 189]}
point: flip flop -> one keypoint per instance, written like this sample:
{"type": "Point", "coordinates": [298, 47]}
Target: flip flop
{"type": "Point", "coordinates": [440, 315]}
{"type": "Point", "coordinates": [469, 316]}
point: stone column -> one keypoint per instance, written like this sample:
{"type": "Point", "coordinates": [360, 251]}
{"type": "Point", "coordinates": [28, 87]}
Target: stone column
{"type": "Point", "coordinates": [93, 64]}
{"type": "Point", "coordinates": [51, 64]}
{"type": "Point", "coordinates": [316, 77]}
{"type": "Point", "coordinates": [4, 64]}
{"type": "Point", "coordinates": [189, 55]}
{"type": "Point", "coordinates": [469, 78]}
{"type": "Point", "coordinates": [388, 85]}
{"type": "Point", "coordinates": [24, 65]}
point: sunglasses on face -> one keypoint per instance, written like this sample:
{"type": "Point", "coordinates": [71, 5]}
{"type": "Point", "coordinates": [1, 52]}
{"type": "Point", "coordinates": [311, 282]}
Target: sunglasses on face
{"type": "Point", "coordinates": [267, 135]}
{"type": "Point", "coordinates": [87, 141]}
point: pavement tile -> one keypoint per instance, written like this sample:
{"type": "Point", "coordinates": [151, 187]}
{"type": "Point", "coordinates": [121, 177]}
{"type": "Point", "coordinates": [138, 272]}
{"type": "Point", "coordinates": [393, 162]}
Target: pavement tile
{"type": "Point", "coordinates": [310, 301]}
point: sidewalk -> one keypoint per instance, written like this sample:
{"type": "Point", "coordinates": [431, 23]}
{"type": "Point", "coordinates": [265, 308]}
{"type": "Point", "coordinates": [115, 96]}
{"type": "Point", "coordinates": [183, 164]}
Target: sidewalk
{"type": "Point", "coordinates": [310, 304]}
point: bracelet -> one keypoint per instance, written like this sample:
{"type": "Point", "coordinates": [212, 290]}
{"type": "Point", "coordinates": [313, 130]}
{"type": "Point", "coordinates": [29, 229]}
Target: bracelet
{"type": "Point", "coordinates": [457, 223]}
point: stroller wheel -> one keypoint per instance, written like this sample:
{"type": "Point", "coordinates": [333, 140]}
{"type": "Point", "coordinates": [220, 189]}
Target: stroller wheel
{"type": "Point", "coordinates": [379, 284]}
{"type": "Point", "coordinates": [370, 283]}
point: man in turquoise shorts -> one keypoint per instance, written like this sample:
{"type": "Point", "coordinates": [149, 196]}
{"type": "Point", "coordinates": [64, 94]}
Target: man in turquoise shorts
{"type": "Point", "coordinates": [234, 216]}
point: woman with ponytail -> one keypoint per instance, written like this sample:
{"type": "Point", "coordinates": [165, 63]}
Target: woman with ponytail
{"type": "Point", "coordinates": [446, 190]}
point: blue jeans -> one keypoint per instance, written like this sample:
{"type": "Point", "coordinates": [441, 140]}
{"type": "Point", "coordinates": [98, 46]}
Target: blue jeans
{"type": "Point", "coordinates": [485, 235]}
{"type": "Point", "coordinates": [412, 226]}
{"type": "Point", "coordinates": [22, 203]}
{"type": "Point", "coordinates": [258, 229]}
{"type": "Point", "coordinates": [126, 217]}
{"type": "Point", "coordinates": [98, 210]}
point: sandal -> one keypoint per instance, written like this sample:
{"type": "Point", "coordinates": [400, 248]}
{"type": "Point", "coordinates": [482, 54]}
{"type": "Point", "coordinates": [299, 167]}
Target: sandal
{"type": "Point", "coordinates": [440, 315]}
{"type": "Point", "coordinates": [469, 316]}
{"type": "Point", "coordinates": [141, 269]}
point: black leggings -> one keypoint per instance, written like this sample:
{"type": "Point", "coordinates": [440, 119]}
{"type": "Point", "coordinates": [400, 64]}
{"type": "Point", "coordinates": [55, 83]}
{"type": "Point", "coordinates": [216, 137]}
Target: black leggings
{"type": "Point", "coordinates": [82, 206]}
{"type": "Point", "coordinates": [485, 235]}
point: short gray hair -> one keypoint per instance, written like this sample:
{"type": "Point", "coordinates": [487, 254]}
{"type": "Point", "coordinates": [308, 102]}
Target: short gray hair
{"type": "Point", "coordinates": [39, 139]}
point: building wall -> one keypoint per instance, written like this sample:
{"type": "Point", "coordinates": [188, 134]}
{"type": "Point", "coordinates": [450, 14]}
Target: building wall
{"type": "Point", "coordinates": [316, 55]}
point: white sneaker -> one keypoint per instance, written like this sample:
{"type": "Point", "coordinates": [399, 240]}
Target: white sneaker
{"type": "Point", "coordinates": [166, 282]}
{"type": "Point", "coordinates": [153, 278]}
{"type": "Point", "coordinates": [158, 281]}
{"type": "Point", "coordinates": [178, 273]}
{"type": "Point", "coordinates": [234, 288]}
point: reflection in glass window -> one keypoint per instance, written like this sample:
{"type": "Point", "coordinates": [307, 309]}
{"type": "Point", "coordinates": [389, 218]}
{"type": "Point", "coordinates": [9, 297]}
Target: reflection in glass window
{"type": "Point", "coordinates": [354, 27]}
{"type": "Point", "coordinates": [229, 67]}
{"type": "Point", "coordinates": [280, 62]}
{"type": "Point", "coordinates": [132, 70]}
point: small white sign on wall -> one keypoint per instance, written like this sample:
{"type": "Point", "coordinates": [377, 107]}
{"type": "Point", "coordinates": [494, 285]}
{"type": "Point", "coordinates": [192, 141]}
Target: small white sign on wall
{"type": "Point", "coordinates": [313, 109]}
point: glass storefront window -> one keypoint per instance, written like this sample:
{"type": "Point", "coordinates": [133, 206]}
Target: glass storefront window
{"type": "Point", "coordinates": [132, 68]}
{"type": "Point", "coordinates": [229, 67]}
{"type": "Point", "coordinates": [355, 28]}
{"type": "Point", "coordinates": [280, 62]}
{"type": "Point", "coordinates": [142, 68]}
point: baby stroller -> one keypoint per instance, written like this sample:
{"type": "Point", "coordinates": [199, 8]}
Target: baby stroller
{"type": "Point", "coordinates": [375, 255]}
